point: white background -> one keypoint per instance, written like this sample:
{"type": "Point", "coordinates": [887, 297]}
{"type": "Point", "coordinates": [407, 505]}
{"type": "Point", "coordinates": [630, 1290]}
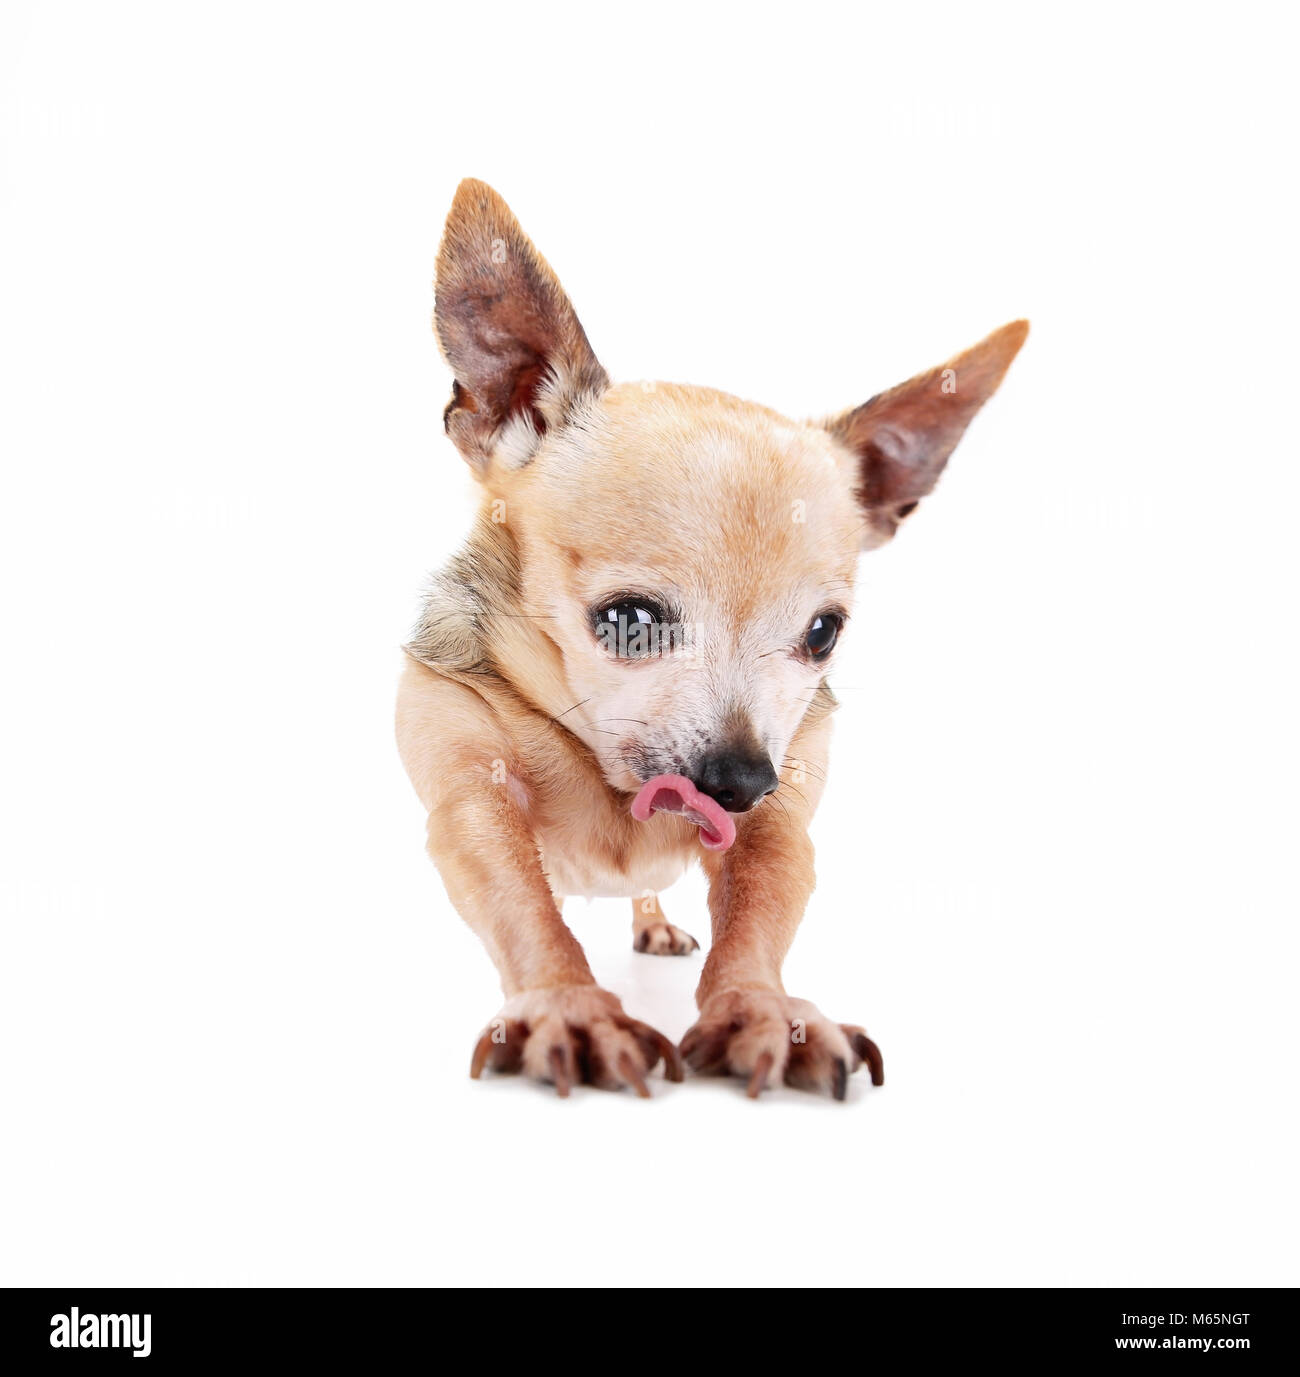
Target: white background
{"type": "Point", "coordinates": [1056, 857]}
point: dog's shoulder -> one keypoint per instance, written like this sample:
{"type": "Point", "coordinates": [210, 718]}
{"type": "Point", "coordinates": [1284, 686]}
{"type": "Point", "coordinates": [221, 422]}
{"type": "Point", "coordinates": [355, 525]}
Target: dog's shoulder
{"type": "Point", "coordinates": [461, 600]}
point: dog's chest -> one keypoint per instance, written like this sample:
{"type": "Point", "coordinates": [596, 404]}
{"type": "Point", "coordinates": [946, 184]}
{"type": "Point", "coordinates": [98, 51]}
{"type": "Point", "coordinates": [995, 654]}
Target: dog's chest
{"type": "Point", "coordinates": [622, 860]}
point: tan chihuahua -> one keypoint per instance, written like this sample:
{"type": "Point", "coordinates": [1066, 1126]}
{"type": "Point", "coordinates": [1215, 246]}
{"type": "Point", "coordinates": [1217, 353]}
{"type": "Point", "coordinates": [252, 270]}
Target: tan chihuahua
{"type": "Point", "coordinates": [624, 670]}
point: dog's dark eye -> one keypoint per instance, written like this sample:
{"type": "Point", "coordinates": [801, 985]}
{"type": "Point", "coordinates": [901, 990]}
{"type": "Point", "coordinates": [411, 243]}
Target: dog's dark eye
{"type": "Point", "coordinates": [822, 635]}
{"type": "Point", "coordinates": [629, 630]}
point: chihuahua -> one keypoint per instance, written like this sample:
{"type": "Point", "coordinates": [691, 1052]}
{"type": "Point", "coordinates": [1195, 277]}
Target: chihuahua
{"type": "Point", "coordinates": [624, 670]}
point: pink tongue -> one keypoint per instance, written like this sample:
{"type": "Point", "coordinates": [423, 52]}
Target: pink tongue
{"type": "Point", "coordinates": [676, 794]}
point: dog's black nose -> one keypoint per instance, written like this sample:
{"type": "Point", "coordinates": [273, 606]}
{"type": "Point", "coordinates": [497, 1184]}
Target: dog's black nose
{"type": "Point", "coordinates": [734, 779]}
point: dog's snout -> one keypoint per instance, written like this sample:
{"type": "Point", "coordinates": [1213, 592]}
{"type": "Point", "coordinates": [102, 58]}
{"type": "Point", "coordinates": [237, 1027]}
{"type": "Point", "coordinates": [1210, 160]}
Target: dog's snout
{"type": "Point", "coordinates": [735, 779]}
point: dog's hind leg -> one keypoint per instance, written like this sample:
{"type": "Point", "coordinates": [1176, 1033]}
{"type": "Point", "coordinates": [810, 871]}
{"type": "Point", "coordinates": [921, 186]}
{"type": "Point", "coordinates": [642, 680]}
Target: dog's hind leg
{"type": "Point", "coordinates": [653, 935]}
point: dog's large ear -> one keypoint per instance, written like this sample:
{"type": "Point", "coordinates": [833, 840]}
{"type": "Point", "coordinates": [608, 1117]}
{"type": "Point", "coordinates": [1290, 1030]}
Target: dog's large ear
{"type": "Point", "coordinates": [507, 330]}
{"type": "Point", "coordinates": [900, 440]}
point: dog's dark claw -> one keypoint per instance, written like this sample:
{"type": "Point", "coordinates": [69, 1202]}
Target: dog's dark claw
{"type": "Point", "coordinates": [655, 1045]}
{"type": "Point", "coordinates": [758, 1081]}
{"type": "Point", "coordinates": [479, 1059]}
{"type": "Point", "coordinates": [840, 1078]}
{"type": "Point", "coordinates": [559, 1063]}
{"type": "Point", "coordinates": [673, 1069]}
{"type": "Point", "coordinates": [869, 1053]}
{"type": "Point", "coordinates": [501, 1048]}
{"type": "Point", "coordinates": [631, 1073]}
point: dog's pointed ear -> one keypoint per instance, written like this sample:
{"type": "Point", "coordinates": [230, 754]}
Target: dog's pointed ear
{"type": "Point", "coordinates": [508, 331]}
{"type": "Point", "coordinates": [899, 441]}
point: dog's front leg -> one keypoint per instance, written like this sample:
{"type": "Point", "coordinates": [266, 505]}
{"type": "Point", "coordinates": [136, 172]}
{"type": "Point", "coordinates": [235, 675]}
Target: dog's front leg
{"type": "Point", "coordinates": [557, 1024]}
{"type": "Point", "coordinates": [748, 1025]}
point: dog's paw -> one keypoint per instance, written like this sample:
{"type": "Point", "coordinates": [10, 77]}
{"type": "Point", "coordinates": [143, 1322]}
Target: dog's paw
{"type": "Point", "coordinates": [767, 1037]}
{"type": "Point", "coordinates": [573, 1035]}
{"type": "Point", "coordinates": [663, 939]}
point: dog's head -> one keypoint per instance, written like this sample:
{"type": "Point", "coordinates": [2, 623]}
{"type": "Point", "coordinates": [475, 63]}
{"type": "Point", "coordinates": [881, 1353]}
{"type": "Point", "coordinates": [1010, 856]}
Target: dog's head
{"type": "Point", "coordinates": [682, 561]}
